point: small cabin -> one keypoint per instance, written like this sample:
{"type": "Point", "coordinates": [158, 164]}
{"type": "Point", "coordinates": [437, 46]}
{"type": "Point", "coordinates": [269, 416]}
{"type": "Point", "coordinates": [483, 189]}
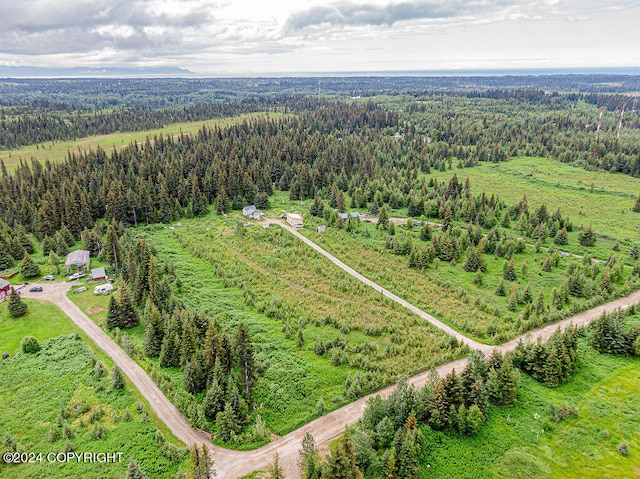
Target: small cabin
{"type": "Point", "coordinates": [252, 212]}
{"type": "Point", "coordinates": [98, 274]}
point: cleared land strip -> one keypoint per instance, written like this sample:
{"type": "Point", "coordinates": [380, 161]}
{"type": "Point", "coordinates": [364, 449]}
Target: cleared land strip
{"type": "Point", "coordinates": [438, 324]}
{"type": "Point", "coordinates": [233, 464]}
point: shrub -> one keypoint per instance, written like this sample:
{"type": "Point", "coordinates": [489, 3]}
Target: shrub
{"type": "Point", "coordinates": [623, 448]}
{"type": "Point", "coordinates": [29, 345]}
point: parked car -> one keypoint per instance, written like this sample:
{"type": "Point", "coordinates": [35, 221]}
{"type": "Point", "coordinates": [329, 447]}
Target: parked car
{"type": "Point", "coordinates": [49, 277]}
{"type": "Point", "coordinates": [75, 276]}
{"type": "Point", "coordinates": [35, 289]}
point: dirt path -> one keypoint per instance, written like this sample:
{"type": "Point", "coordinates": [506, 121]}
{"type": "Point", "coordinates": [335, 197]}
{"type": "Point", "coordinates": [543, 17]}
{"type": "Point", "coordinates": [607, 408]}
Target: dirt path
{"type": "Point", "coordinates": [232, 464]}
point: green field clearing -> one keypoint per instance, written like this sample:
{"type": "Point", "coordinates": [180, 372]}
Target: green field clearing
{"type": "Point", "coordinates": [277, 286]}
{"type": "Point", "coordinates": [55, 151]}
{"type": "Point", "coordinates": [61, 376]}
{"type": "Point", "coordinates": [544, 180]}
{"type": "Point", "coordinates": [43, 321]}
{"type": "Point", "coordinates": [446, 290]}
{"type": "Point", "coordinates": [511, 444]}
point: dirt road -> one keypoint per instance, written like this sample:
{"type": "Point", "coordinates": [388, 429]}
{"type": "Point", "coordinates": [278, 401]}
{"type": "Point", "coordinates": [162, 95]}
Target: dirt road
{"type": "Point", "coordinates": [233, 464]}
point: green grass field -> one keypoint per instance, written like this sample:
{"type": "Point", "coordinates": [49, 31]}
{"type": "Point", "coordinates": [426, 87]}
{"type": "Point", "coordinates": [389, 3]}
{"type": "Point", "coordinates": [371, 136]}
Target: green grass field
{"type": "Point", "coordinates": [55, 151]}
{"type": "Point", "coordinates": [607, 205]}
{"type": "Point", "coordinates": [43, 321]}
{"type": "Point", "coordinates": [58, 404]}
{"type": "Point", "coordinates": [521, 442]}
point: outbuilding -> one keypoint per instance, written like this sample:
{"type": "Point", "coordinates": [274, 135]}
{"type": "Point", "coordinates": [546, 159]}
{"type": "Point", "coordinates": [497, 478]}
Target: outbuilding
{"type": "Point", "coordinates": [5, 289]}
{"type": "Point", "coordinates": [98, 274]}
{"type": "Point", "coordinates": [294, 220]}
{"type": "Point", "coordinates": [79, 259]}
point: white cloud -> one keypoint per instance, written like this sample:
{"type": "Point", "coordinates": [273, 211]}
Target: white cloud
{"type": "Point", "coordinates": [316, 35]}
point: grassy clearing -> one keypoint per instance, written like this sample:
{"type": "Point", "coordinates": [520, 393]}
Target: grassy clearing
{"type": "Point", "coordinates": [446, 290]}
{"type": "Point", "coordinates": [60, 376]}
{"type": "Point", "coordinates": [55, 151]}
{"type": "Point", "coordinates": [277, 286]}
{"type": "Point", "coordinates": [512, 443]}
{"type": "Point", "coordinates": [607, 205]}
{"type": "Point", "coordinates": [43, 321]}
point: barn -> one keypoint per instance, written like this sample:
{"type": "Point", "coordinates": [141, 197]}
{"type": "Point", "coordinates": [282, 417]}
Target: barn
{"type": "Point", "coordinates": [5, 289]}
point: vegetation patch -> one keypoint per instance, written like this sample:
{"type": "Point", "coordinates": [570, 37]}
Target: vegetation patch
{"type": "Point", "coordinates": [62, 401]}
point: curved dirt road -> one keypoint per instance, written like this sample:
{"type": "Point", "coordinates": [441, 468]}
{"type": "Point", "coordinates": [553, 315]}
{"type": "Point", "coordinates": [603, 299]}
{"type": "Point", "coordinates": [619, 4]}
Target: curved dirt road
{"type": "Point", "coordinates": [233, 464]}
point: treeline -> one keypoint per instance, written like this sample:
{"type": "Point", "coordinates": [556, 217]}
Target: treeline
{"type": "Point", "coordinates": [45, 127]}
{"type": "Point", "coordinates": [167, 178]}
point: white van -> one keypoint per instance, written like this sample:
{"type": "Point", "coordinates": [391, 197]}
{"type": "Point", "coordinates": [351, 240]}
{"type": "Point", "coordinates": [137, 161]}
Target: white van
{"type": "Point", "coordinates": [103, 289]}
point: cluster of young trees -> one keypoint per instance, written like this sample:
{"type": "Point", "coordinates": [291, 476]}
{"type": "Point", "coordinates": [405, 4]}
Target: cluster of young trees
{"type": "Point", "coordinates": [609, 334]}
{"type": "Point", "coordinates": [388, 439]}
{"type": "Point", "coordinates": [552, 362]}
{"type": "Point", "coordinates": [540, 224]}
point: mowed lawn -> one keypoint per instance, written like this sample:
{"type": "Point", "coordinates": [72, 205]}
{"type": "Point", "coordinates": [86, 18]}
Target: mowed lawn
{"type": "Point", "coordinates": [43, 321]}
{"type": "Point", "coordinates": [607, 205]}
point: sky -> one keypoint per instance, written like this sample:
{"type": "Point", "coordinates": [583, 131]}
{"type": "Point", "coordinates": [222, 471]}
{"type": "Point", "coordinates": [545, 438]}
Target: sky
{"type": "Point", "coordinates": [254, 37]}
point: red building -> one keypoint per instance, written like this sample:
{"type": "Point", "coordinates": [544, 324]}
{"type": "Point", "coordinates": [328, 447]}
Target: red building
{"type": "Point", "coordinates": [5, 289]}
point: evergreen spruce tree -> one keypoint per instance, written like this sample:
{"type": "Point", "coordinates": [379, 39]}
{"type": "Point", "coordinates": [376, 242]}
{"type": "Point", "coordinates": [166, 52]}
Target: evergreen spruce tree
{"type": "Point", "coordinates": [275, 469]}
{"type": "Point", "coordinates": [383, 218]}
{"type": "Point", "coordinates": [243, 351]}
{"type": "Point", "coordinates": [561, 237]}
{"type": "Point", "coordinates": [510, 272]}
{"type": "Point", "coordinates": [17, 307]}
{"type": "Point", "coordinates": [636, 206]}
{"type": "Point", "coordinates": [61, 246]}
{"type": "Point", "coordinates": [227, 423]}
{"type": "Point", "coordinates": [128, 313]}
{"type": "Point", "coordinates": [500, 289]}
{"type": "Point", "coordinates": [113, 313]}
{"type": "Point", "coordinates": [134, 471]}
{"type": "Point", "coordinates": [170, 350]}
{"type": "Point", "coordinates": [6, 260]}
{"type": "Point", "coordinates": [201, 462]}
{"type": "Point", "coordinates": [341, 463]}
{"type": "Point", "coordinates": [153, 330]}
{"type": "Point", "coordinates": [310, 461]}
{"type": "Point", "coordinates": [117, 378]}
{"type": "Point", "coordinates": [317, 208]}
{"type": "Point", "coordinates": [587, 237]}
{"type": "Point", "coordinates": [29, 269]}
{"type": "Point", "coordinates": [213, 401]}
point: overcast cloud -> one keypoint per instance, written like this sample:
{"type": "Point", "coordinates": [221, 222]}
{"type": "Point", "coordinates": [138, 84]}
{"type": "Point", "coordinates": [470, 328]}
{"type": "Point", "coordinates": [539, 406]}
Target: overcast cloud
{"type": "Point", "coordinates": [246, 36]}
